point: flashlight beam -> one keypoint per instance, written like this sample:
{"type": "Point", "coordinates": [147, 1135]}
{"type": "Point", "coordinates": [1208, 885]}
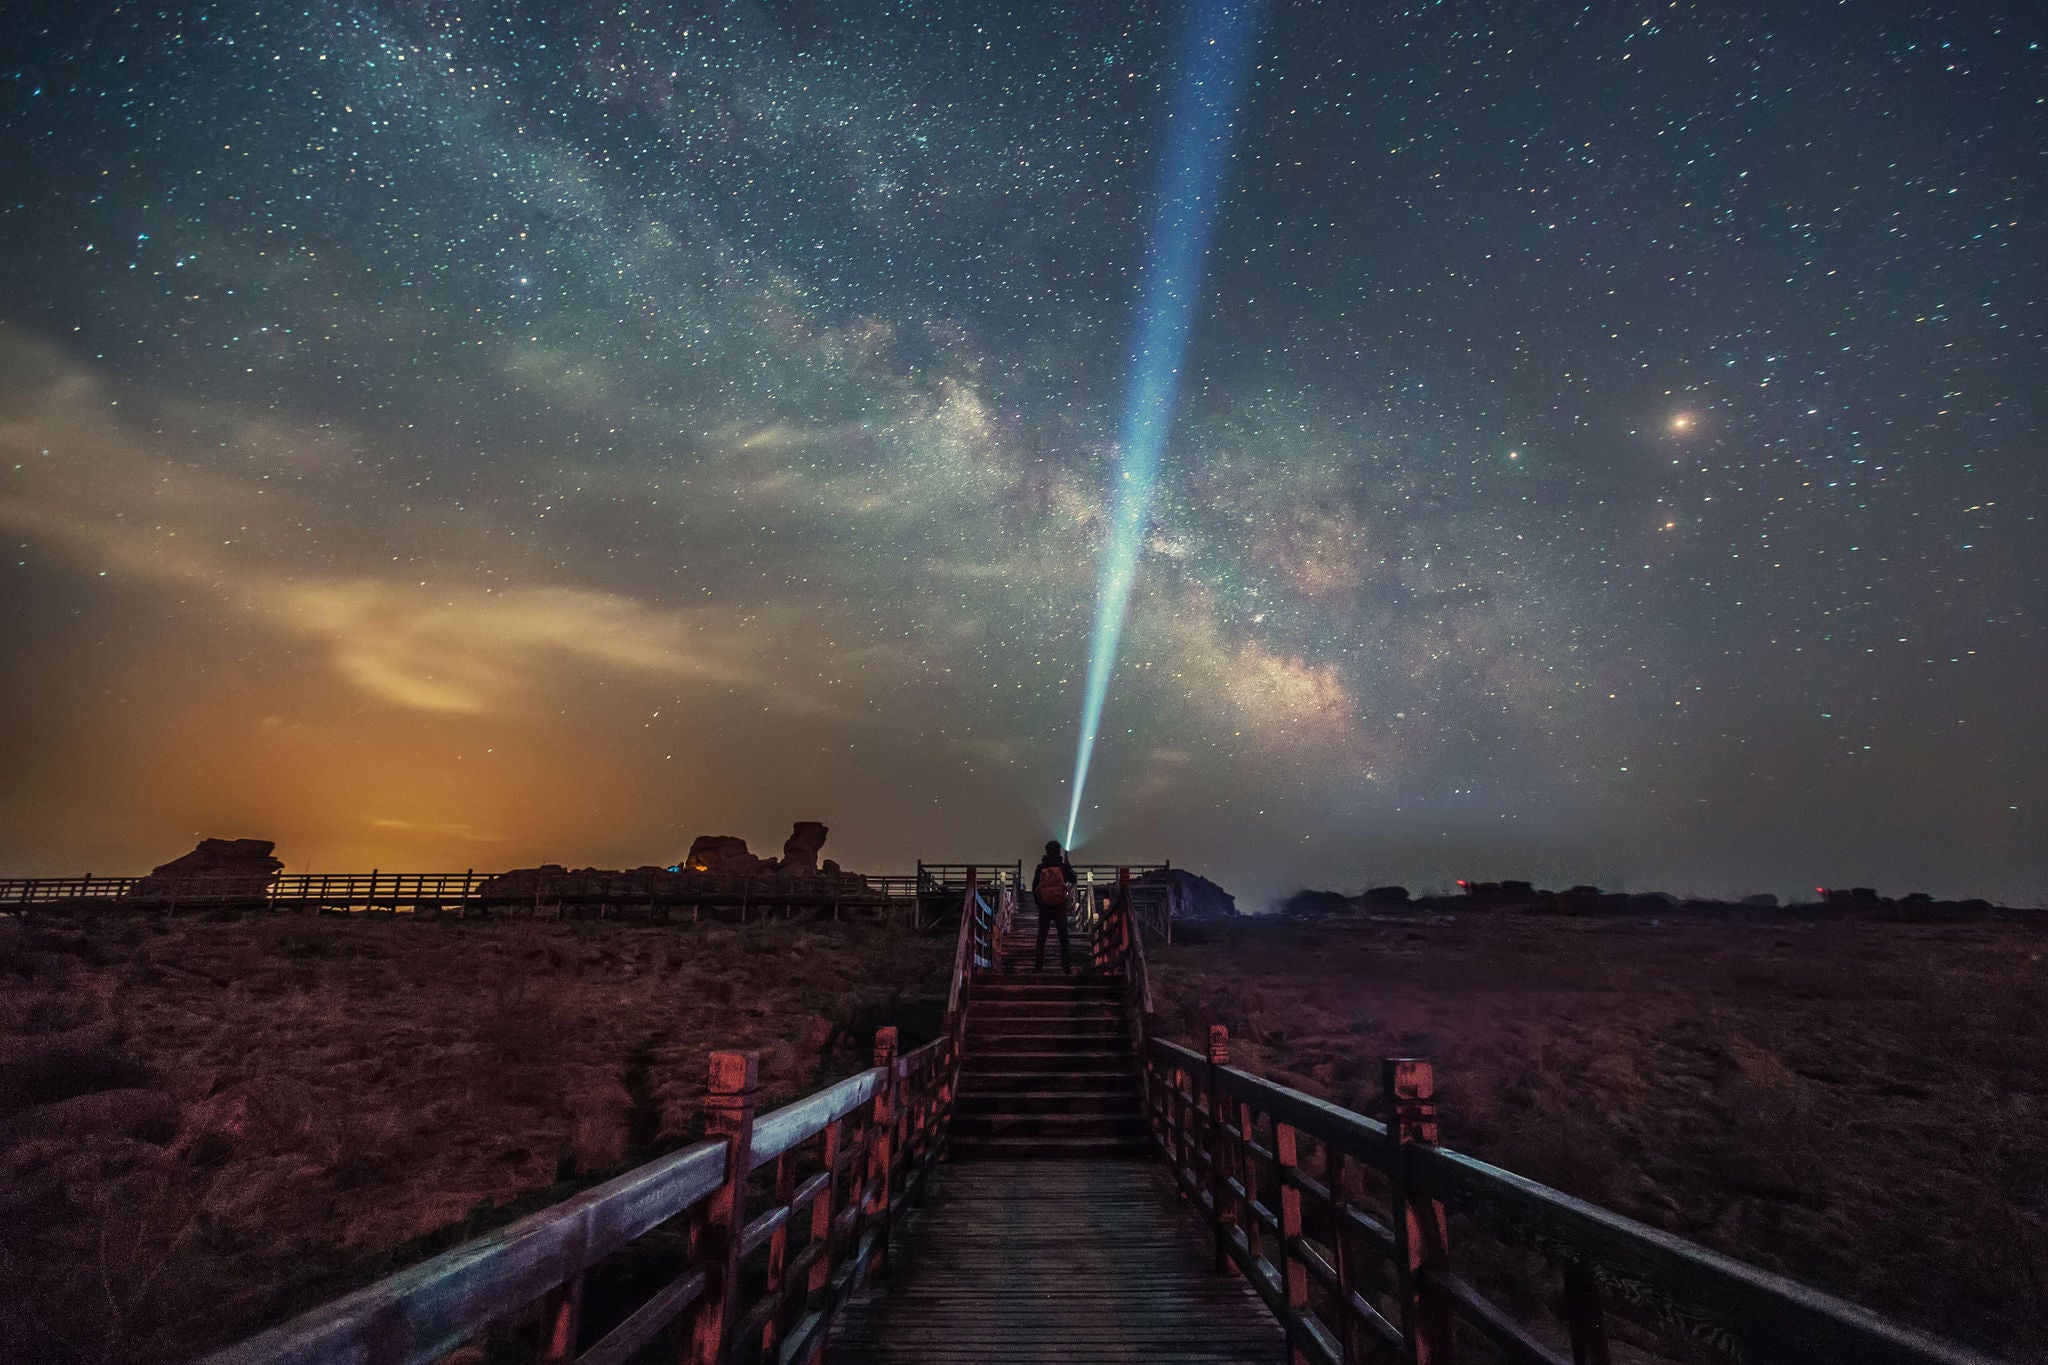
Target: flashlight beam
{"type": "Point", "coordinates": [1215, 51]}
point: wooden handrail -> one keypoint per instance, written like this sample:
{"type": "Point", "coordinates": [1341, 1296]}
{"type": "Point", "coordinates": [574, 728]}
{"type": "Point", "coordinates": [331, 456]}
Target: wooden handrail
{"type": "Point", "coordinates": [1346, 1281]}
{"type": "Point", "coordinates": [340, 889]}
{"type": "Point", "coordinates": [877, 1132]}
{"type": "Point", "coordinates": [963, 951]}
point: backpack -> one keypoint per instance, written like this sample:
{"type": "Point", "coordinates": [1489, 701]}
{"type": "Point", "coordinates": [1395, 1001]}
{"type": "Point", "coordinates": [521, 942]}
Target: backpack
{"type": "Point", "coordinates": [1051, 888]}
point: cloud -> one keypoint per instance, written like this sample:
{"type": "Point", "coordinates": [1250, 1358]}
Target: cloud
{"type": "Point", "coordinates": [475, 652]}
{"type": "Point", "coordinates": [141, 504]}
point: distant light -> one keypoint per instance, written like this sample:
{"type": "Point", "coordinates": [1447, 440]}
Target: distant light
{"type": "Point", "coordinates": [1682, 421]}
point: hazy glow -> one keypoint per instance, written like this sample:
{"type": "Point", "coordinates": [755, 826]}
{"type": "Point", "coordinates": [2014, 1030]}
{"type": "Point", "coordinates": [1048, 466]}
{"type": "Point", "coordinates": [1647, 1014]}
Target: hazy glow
{"type": "Point", "coordinates": [1216, 50]}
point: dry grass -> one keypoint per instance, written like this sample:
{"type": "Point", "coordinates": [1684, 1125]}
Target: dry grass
{"type": "Point", "coordinates": [1861, 1106]}
{"type": "Point", "coordinates": [345, 1097]}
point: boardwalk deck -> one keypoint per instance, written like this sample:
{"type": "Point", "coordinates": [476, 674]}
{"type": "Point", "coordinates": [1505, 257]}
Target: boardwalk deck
{"type": "Point", "coordinates": [1080, 1262]}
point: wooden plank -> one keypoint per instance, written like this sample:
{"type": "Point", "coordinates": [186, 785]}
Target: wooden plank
{"type": "Point", "coordinates": [1352, 1134]}
{"type": "Point", "coordinates": [421, 1314]}
{"type": "Point", "coordinates": [623, 1342]}
{"type": "Point", "coordinates": [804, 1119]}
{"type": "Point", "coordinates": [1685, 1287]}
{"type": "Point", "coordinates": [1514, 1341]}
{"type": "Point", "coordinates": [1068, 1261]}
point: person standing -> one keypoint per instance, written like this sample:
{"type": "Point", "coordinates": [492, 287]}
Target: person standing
{"type": "Point", "coordinates": [1052, 887]}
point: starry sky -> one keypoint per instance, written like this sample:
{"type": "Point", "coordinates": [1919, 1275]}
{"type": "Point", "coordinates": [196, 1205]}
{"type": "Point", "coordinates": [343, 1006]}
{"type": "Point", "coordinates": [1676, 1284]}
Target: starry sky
{"type": "Point", "coordinates": [1611, 449]}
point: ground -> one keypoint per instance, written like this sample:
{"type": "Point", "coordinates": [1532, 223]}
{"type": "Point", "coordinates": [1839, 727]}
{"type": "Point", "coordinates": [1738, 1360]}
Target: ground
{"type": "Point", "coordinates": [1861, 1105]}
{"type": "Point", "coordinates": [206, 1126]}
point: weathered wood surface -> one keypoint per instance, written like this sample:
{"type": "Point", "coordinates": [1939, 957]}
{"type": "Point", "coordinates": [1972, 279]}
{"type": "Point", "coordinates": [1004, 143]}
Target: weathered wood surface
{"type": "Point", "coordinates": [1078, 1262]}
{"type": "Point", "coordinates": [1235, 1144]}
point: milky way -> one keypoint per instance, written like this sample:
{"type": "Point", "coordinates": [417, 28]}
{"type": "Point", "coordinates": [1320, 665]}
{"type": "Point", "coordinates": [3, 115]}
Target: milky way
{"type": "Point", "coordinates": [1611, 448]}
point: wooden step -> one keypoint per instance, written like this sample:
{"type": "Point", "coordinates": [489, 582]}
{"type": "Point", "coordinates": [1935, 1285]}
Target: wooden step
{"type": "Point", "coordinates": [1019, 986]}
{"type": "Point", "coordinates": [1004, 1007]}
{"type": "Point", "coordinates": [1021, 1101]}
{"type": "Point", "coordinates": [1048, 1148]}
{"type": "Point", "coordinates": [980, 1064]}
{"type": "Point", "coordinates": [1031, 1026]}
{"type": "Point", "coordinates": [996, 1078]}
{"type": "Point", "coordinates": [996, 1127]}
{"type": "Point", "coordinates": [1003, 1044]}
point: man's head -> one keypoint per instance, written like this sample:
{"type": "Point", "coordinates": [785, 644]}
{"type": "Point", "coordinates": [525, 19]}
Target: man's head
{"type": "Point", "coordinates": [1052, 848]}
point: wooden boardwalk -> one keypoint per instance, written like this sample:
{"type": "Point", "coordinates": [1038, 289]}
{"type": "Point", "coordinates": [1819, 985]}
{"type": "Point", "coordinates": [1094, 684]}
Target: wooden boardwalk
{"type": "Point", "coordinates": [872, 1250]}
{"type": "Point", "coordinates": [1078, 1262]}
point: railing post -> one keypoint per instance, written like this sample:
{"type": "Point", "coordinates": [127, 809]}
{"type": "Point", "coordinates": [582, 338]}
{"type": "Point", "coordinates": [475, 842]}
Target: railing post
{"type": "Point", "coordinates": [1421, 1237]}
{"type": "Point", "coordinates": [1223, 1207]}
{"type": "Point", "coordinates": [561, 1319]}
{"type": "Point", "coordinates": [1350, 1333]}
{"type": "Point", "coordinates": [729, 1114]}
{"type": "Point", "coordinates": [1582, 1315]}
{"type": "Point", "coordinates": [1120, 945]}
{"type": "Point", "coordinates": [823, 1210]}
{"type": "Point", "coordinates": [882, 1148]}
{"type": "Point", "coordinates": [778, 1247]}
{"type": "Point", "coordinates": [1293, 1273]}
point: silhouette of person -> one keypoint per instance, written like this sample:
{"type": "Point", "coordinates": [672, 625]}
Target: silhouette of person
{"type": "Point", "coordinates": [1052, 889]}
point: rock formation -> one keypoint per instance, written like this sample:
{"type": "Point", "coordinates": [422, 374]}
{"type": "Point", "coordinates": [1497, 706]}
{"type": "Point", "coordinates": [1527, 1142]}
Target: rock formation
{"type": "Point", "coordinates": [728, 853]}
{"type": "Point", "coordinates": [800, 850]}
{"type": "Point", "coordinates": [217, 867]}
{"type": "Point", "coordinates": [724, 853]}
{"type": "Point", "coordinates": [1192, 897]}
{"type": "Point", "coordinates": [712, 858]}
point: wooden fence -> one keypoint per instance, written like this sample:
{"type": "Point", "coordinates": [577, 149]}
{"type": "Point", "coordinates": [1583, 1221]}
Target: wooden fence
{"type": "Point", "coordinates": [1343, 1225]}
{"type": "Point", "coordinates": [922, 899]}
{"type": "Point", "coordinates": [770, 1225]}
{"type": "Point", "coordinates": [982, 924]}
{"type": "Point", "coordinates": [460, 892]}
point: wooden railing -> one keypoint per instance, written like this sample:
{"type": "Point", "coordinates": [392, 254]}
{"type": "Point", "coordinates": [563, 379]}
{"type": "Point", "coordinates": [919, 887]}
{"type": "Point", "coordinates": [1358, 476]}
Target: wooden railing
{"type": "Point", "coordinates": [925, 897]}
{"type": "Point", "coordinates": [830, 1172]}
{"type": "Point", "coordinates": [447, 890]}
{"type": "Point", "coordinates": [780, 1217]}
{"type": "Point", "coordinates": [1343, 1225]}
{"type": "Point", "coordinates": [982, 925]}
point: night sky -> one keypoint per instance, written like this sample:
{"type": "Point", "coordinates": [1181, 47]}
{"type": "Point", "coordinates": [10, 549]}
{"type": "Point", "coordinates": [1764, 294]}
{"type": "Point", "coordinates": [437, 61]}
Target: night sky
{"type": "Point", "coordinates": [438, 435]}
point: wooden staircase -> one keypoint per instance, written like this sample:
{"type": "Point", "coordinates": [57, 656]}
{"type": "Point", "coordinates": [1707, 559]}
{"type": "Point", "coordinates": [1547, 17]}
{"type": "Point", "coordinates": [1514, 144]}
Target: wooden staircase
{"type": "Point", "coordinates": [1047, 1066]}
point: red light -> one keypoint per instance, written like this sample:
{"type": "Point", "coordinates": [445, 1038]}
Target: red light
{"type": "Point", "coordinates": [1820, 891]}
{"type": "Point", "coordinates": [1462, 881]}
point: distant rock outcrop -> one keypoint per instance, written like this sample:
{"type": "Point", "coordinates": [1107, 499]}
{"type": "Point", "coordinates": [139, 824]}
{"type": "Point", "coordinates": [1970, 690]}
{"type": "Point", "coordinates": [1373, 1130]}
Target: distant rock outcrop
{"type": "Point", "coordinates": [713, 859]}
{"type": "Point", "coordinates": [1190, 896]}
{"type": "Point", "coordinates": [800, 849]}
{"type": "Point", "coordinates": [724, 853]}
{"type": "Point", "coordinates": [729, 854]}
{"type": "Point", "coordinates": [1317, 903]}
{"type": "Point", "coordinates": [217, 867]}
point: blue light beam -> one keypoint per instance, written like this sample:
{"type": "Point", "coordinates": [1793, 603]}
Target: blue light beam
{"type": "Point", "coordinates": [1214, 57]}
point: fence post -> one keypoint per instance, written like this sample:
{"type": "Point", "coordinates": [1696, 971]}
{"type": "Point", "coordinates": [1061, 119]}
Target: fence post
{"type": "Point", "coordinates": [729, 1114]}
{"type": "Point", "coordinates": [882, 1148]}
{"type": "Point", "coordinates": [1421, 1237]}
{"type": "Point", "coordinates": [824, 1209]}
{"type": "Point", "coordinates": [1293, 1273]}
{"type": "Point", "coordinates": [778, 1248]}
{"type": "Point", "coordinates": [561, 1321]}
{"type": "Point", "coordinates": [1582, 1315]}
{"type": "Point", "coordinates": [1350, 1333]}
{"type": "Point", "coordinates": [1125, 927]}
{"type": "Point", "coordinates": [1223, 1208]}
